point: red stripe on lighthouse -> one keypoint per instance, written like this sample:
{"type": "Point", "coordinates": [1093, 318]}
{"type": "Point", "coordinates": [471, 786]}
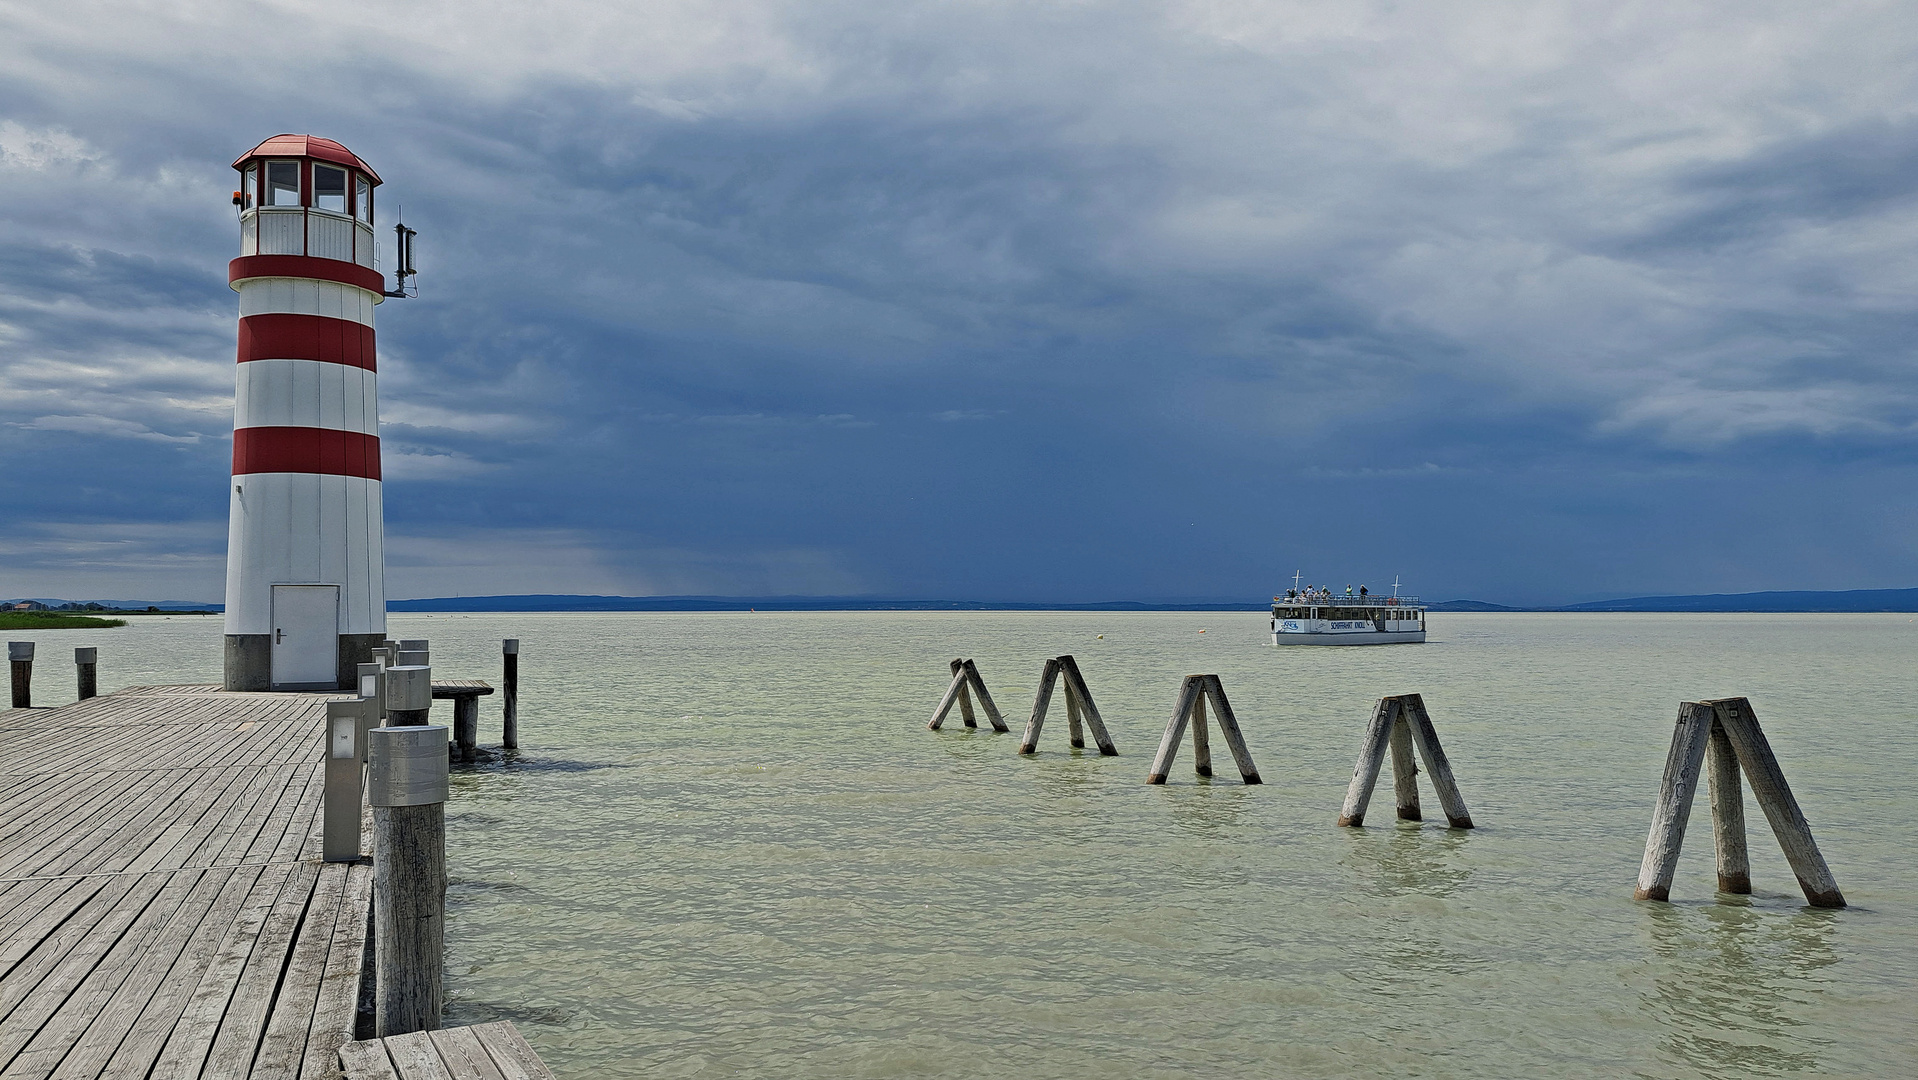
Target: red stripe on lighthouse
{"type": "Point", "coordinates": [306, 337]}
{"type": "Point", "coordinates": [306, 450]}
{"type": "Point", "coordinates": [306, 266]}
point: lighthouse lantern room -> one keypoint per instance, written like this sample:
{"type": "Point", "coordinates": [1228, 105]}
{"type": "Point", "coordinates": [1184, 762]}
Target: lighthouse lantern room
{"type": "Point", "coordinates": [305, 574]}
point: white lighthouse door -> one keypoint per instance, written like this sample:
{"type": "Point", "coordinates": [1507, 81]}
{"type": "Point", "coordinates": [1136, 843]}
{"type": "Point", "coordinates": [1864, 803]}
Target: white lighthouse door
{"type": "Point", "coordinates": [306, 637]}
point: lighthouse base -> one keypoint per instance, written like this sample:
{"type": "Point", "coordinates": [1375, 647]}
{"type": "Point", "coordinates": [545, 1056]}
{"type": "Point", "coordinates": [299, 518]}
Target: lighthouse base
{"type": "Point", "coordinates": [249, 661]}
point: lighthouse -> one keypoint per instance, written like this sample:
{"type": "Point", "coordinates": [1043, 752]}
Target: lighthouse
{"type": "Point", "coordinates": [305, 564]}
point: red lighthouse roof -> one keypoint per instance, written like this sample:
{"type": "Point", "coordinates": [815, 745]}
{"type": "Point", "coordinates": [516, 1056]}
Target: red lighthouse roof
{"type": "Point", "coordinates": [307, 146]}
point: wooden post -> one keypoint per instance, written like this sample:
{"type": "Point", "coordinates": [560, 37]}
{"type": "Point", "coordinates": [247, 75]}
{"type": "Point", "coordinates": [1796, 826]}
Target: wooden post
{"type": "Point", "coordinates": [965, 697]}
{"type": "Point", "coordinates": [1405, 770]}
{"type": "Point", "coordinates": [509, 655]}
{"type": "Point", "coordinates": [1437, 767]}
{"type": "Point", "coordinates": [1365, 775]}
{"type": "Point", "coordinates": [978, 683]}
{"type": "Point", "coordinates": [1075, 731]}
{"type": "Point", "coordinates": [1201, 740]}
{"type": "Point", "coordinates": [407, 787]}
{"type": "Point", "coordinates": [1774, 795]}
{"type": "Point", "coordinates": [1041, 701]}
{"type": "Point", "coordinates": [1088, 710]}
{"type": "Point", "coordinates": [1674, 804]}
{"type": "Point", "coordinates": [409, 695]}
{"type": "Point", "coordinates": [1229, 727]}
{"type": "Point", "coordinates": [959, 678]}
{"type": "Point", "coordinates": [1189, 692]}
{"type": "Point", "coordinates": [86, 661]}
{"type": "Point", "coordinates": [20, 659]}
{"type": "Point", "coordinates": [466, 727]}
{"type": "Point", "coordinates": [346, 728]}
{"type": "Point", "coordinates": [1728, 813]}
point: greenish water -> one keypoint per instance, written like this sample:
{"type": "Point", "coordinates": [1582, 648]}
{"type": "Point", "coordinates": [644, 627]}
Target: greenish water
{"type": "Point", "coordinates": [731, 847]}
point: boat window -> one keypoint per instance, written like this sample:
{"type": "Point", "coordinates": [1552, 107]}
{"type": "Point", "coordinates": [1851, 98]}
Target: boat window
{"type": "Point", "coordinates": [362, 199]}
{"type": "Point", "coordinates": [282, 183]}
{"type": "Point", "coordinates": [329, 188]}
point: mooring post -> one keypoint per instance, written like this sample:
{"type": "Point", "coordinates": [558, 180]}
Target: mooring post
{"type": "Point", "coordinates": [978, 684]}
{"type": "Point", "coordinates": [1229, 727]}
{"type": "Point", "coordinates": [965, 696]}
{"type": "Point", "coordinates": [1201, 739]}
{"type": "Point", "coordinates": [951, 697]}
{"type": "Point", "coordinates": [1774, 796]}
{"type": "Point", "coordinates": [20, 658]}
{"type": "Point", "coordinates": [466, 727]}
{"type": "Point", "coordinates": [1405, 770]}
{"type": "Point", "coordinates": [407, 788]}
{"type": "Point", "coordinates": [346, 728]}
{"type": "Point", "coordinates": [1728, 813]}
{"type": "Point", "coordinates": [509, 656]}
{"type": "Point", "coordinates": [1674, 806]}
{"type": "Point", "coordinates": [409, 695]}
{"type": "Point", "coordinates": [1189, 692]}
{"type": "Point", "coordinates": [1438, 768]}
{"type": "Point", "coordinates": [1365, 775]}
{"type": "Point", "coordinates": [1075, 731]}
{"type": "Point", "coordinates": [1088, 709]}
{"type": "Point", "coordinates": [1041, 701]}
{"type": "Point", "coordinates": [86, 661]}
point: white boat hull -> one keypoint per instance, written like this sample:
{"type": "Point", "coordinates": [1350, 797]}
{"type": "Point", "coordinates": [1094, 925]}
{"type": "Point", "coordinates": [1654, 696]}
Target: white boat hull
{"type": "Point", "coordinates": [1347, 637]}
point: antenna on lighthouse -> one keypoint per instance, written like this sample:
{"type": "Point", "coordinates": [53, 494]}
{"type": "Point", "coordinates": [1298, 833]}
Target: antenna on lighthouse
{"type": "Point", "coordinates": [403, 262]}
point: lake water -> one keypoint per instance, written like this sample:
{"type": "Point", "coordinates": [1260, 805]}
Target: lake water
{"type": "Point", "coordinates": [731, 847]}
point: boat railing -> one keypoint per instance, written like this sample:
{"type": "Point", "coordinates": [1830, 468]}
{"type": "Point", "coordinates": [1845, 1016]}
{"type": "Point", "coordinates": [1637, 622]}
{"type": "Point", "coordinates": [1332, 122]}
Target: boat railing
{"type": "Point", "coordinates": [1336, 600]}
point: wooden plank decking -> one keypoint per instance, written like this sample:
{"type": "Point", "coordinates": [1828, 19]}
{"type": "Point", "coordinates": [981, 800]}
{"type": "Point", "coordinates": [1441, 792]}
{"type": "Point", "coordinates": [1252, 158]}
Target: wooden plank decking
{"type": "Point", "coordinates": [483, 1052]}
{"type": "Point", "coordinates": [163, 909]}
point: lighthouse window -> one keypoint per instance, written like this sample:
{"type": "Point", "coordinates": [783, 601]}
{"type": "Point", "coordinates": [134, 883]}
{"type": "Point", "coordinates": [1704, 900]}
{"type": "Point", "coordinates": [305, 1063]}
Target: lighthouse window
{"type": "Point", "coordinates": [329, 188]}
{"type": "Point", "coordinates": [363, 199]}
{"type": "Point", "coordinates": [282, 183]}
{"type": "Point", "coordinates": [248, 187]}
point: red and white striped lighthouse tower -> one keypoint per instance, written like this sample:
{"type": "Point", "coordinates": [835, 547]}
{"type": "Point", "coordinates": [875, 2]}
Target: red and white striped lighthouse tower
{"type": "Point", "coordinates": [305, 573]}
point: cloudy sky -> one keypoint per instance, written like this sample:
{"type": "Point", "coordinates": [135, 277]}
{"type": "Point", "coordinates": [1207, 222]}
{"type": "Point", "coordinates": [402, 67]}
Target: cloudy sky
{"type": "Point", "coordinates": [1526, 302]}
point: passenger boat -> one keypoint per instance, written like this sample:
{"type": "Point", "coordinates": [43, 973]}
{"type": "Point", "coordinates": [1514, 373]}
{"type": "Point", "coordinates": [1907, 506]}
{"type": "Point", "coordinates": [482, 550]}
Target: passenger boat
{"type": "Point", "coordinates": [1312, 616]}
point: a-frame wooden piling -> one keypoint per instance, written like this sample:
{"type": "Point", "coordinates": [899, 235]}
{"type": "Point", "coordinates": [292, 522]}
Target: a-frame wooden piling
{"type": "Point", "coordinates": [966, 681]}
{"type": "Point", "coordinates": [1192, 692]}
{"type": "Point", "coordinates": [1079, 707]}
{"type": "Point", "coordinates": [1725, 733]}
{"type": "Point", "coordinates": [1401, 726]}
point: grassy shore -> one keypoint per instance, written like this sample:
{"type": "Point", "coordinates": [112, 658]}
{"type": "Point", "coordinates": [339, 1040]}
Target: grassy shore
{"type": "Point", "coordinates": [52, 620]}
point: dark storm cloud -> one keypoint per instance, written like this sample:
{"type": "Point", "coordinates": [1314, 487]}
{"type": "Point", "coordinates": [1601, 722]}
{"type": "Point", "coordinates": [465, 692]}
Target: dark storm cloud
{"type": "Point", "coordinates": [1020, 301]}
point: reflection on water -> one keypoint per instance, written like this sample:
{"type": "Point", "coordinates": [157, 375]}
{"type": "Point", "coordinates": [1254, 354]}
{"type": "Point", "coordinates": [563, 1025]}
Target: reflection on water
{"type": "Point", "coordinates": [730, 847]}
{"type": "Point", "coordinates": [1736, 980]}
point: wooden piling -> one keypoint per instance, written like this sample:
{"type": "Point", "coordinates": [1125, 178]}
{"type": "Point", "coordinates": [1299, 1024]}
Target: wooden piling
{"type": "Point", "coordinates": [1189, 694]}
{"type": "Point", "coordinates": [1075, 731]}
{"type": "Point", "coordinates": [1365, 775]}
{"type": "Point", "coordinates": [1674, 806]}
{"type": "Point", "coordinates": [1041, 701]}
{"type": "Point", "coordinates": [407, 787]}
{"type": "Point", "coordinates": [86, 662]}
{"type": "Point", "coordinates": [1201, 740]}
{"type": "Point", "coordinates": [509, 656]}
{"type": "Point", "coordinates": [1774, 796]}
{"type": "Point", "coordinates": [1405, 771]}
{"type": "Point", "coordinates": [409, 695]}
{"type": "Point", "coordinates": [1229, 727]}
{"type": "Point", "coordinates": [959, 680]}
{"type": "Point", "coordinates": [20, 659]}
{"type": "Point", "coordinates": [1088, 709]}
{"type": "Point", "coordinates": [466, 727]}
{"type": "Point", "coordinates": [965, 697]}
{"type": "Point", "coordinates": [1728, 813]}
{"type": "Point", "coordinates": [1438, 768]}
{"type": "Point", "coordinates": [978, 684]}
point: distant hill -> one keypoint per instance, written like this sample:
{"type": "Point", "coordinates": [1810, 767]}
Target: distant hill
{"type": "Point", "coordinates": [1853, 600]}
{"type": "Point", "coordinates": [553, 602]}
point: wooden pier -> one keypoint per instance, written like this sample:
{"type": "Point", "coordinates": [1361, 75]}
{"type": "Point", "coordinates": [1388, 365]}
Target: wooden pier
{"type": "Point", "coordinates": [164, 910]}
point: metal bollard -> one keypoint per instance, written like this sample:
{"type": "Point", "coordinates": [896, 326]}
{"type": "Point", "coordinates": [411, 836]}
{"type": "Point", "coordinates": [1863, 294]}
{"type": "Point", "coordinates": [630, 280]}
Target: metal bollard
{"type": "Point", "coordinates": [346, 728]}
{"type": "Point", "coordinates": [20, 658]}
{"type": "Point", "coordinates": [88, 662]}
{"type": "Point", "coordinates": [409, 695]}
{"type": "Point", "coordinates": [407, 787]}
{"type": "Point", "coordinates": [509, 655]}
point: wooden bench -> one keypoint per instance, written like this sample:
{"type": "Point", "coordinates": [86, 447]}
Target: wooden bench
{"type": "Point", "coordinates": [494, 1051]}
{"type": "Point", "coordinates": [465, 695]}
